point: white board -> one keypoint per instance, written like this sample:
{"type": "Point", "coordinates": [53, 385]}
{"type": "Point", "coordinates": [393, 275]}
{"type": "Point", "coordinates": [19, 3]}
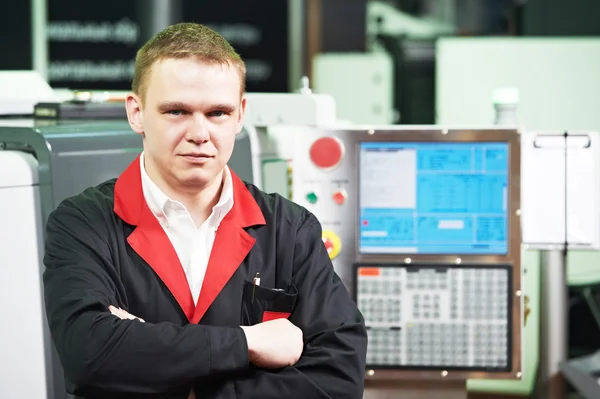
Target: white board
{"type": "Point", "coordinates": [560, 189]}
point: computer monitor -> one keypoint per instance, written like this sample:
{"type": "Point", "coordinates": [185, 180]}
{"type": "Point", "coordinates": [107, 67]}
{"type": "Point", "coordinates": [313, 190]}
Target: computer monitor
{"type": "Point", "coordinates": [433, 198]}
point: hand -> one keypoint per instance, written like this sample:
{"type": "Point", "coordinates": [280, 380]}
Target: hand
{"type": "Point", "coordinates": [123, 314]}
{"type": "Point", "coordinates": [274, 344]}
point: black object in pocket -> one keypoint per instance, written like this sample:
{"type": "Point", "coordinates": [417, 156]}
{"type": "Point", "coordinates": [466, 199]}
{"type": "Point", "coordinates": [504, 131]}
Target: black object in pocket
{"type": "Point", "coordinates": [257, 300]}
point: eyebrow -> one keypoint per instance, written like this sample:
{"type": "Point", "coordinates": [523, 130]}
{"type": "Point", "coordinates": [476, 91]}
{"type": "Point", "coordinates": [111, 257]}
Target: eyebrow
{"type": "Point", "coordinates": [172, 105]}
{"type": "Point", "coordinates": [179, 105]}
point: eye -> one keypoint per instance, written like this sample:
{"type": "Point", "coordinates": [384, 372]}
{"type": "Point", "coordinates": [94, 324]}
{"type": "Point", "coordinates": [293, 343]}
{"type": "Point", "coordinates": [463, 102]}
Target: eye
{"type": "Point", "coordinates": [176, 112]}
{"type": "Point", "coordinates": [218, 114]}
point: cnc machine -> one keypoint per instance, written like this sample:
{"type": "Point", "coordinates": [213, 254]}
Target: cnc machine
{"type": "Point", "coordinates": [427, 227]}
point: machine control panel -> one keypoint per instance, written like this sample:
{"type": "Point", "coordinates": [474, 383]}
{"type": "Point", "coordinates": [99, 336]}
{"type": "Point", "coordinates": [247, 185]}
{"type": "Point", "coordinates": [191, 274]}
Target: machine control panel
{"type": "Point", "coordinates": [431, 317]}
{"type": "Point", "coordinates": [402, 193]}
{"type": "Point", "coordinates": [421, 226]}
{"type": "Point", "coordinates": [323, 182]}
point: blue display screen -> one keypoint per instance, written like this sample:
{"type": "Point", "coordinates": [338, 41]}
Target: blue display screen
{"type": "Point", "coordinates": [433, 198]}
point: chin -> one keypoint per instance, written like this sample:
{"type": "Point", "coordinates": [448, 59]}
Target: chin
{"type": "Point", "coordinates": [196, 178]}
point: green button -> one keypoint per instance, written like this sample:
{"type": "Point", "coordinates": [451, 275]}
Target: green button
{"type": "Point", "coordinates": [311, 197]}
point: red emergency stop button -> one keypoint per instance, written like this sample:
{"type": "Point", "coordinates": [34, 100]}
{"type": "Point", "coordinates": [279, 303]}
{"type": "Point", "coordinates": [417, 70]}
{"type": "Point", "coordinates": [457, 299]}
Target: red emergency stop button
{"type": "Point", "coordinates": [339, 197]}
{"type": "Point", "coordinates": [327, 152]}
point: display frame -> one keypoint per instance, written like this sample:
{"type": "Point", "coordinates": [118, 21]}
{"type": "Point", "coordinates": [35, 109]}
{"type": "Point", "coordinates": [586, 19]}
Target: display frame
{"type": "Point", "coordinates": [424, 134]}
{"type": "Point", "coordinates": [437, 369]}
{"type": "Point", "coordinates": [507, 136]}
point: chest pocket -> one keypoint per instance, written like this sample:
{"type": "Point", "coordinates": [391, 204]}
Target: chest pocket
{"type": "Point", "coordinates": [261, 304]}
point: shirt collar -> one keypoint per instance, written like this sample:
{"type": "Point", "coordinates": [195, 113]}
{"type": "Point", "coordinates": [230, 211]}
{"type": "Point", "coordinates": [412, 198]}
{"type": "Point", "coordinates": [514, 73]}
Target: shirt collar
{"type": "Point", "coordinates": [157, 199]}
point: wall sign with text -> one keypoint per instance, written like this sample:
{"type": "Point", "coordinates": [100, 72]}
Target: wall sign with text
{"type": "Point", "coordinates": [92, 45]}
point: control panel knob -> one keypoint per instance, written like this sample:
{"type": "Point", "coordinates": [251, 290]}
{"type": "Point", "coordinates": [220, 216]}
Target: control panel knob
{"type": "Point", "coordinates": [312, 197]}
{"type": "Point", "coordinates": [339, 197]}
{"type": "Point", "coordinates": [327, 152]}
{"type": "Point", "coordinates": [332, 242]}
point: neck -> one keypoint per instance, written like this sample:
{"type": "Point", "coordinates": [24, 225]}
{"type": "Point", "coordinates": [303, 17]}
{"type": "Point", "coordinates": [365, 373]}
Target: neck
{"type": "Point", "coordinates": [198, 200]}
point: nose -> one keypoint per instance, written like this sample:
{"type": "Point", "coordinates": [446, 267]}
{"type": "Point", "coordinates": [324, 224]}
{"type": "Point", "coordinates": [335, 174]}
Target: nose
{"type": "Point", "coordinates": [198, 131]}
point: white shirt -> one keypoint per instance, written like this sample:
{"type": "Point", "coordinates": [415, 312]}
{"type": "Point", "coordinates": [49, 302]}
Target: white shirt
{"type": "Point", "coordinates": [193, 245]}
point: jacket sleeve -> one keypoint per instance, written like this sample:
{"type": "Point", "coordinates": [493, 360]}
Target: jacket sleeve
{"type": "Point", "coordinates": [332, 364]}
{"type": "Point", "coordinates": [100, 351]}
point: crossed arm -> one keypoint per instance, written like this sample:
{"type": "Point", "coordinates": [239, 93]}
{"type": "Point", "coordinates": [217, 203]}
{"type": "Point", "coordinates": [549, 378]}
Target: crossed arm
{"type": "Point", "coordinates": [117, 354]}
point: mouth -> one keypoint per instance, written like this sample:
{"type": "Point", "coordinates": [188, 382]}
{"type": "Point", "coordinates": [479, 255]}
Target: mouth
{"type": "Point", "coordinates": [197, 155]}
{"type": "Point", "coordinates": [197, 158]}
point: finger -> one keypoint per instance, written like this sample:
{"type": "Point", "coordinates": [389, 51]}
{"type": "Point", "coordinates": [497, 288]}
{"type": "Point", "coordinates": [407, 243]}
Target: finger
{"type": "Point", "coordinates": [115, 311]}
{"type": "Point", "coordinates": [127, 314]}
{"type": "Point", "coordinates": [118, 312]}
{"type": "Point", "coordinates": [132, 317]}
{"type": "Point", "coordinates": [123, 314]}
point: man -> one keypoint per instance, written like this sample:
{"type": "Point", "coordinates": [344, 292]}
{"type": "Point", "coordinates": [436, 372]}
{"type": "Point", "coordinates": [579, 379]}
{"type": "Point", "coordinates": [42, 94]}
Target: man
{"type": "Point", "coordinates": [177, 279]}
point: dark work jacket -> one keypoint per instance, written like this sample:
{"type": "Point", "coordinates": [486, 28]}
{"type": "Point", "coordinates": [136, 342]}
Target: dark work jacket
{"type": "Point", "coordinates": [105, 247]}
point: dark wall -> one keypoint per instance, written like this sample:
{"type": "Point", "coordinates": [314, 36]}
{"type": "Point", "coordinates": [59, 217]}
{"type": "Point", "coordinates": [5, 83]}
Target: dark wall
{"type": "Point", "coordinates": [257, 30]}
{"type": "Point", "coordinates": [92, 44]}
{"type": "Point", "coordinates": [561, 18]}
{"type": "Point", "coordinates": [15, 36]}
{"type": "Point", "coordinates": [343, 26]}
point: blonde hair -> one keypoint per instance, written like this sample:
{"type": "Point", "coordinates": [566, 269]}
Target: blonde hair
{"type": "Point", "coordinates": [185, 40]}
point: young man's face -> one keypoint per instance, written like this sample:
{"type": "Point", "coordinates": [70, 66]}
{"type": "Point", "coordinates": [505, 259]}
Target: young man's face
{"type": "Point", "coordinates": [189, 118]}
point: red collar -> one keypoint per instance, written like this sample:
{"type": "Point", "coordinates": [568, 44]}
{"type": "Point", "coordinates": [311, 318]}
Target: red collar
{"type": "Point", "coordinates": [232, 242]}
{"type": "Point", "coordinates": [129, 199]}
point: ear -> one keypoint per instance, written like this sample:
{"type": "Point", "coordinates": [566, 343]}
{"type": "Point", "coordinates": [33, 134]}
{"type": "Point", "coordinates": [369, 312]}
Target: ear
{"type": "Point", "coordinates": [240, 122]}
{"type": "Point", "coordinates": [135, 113]}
